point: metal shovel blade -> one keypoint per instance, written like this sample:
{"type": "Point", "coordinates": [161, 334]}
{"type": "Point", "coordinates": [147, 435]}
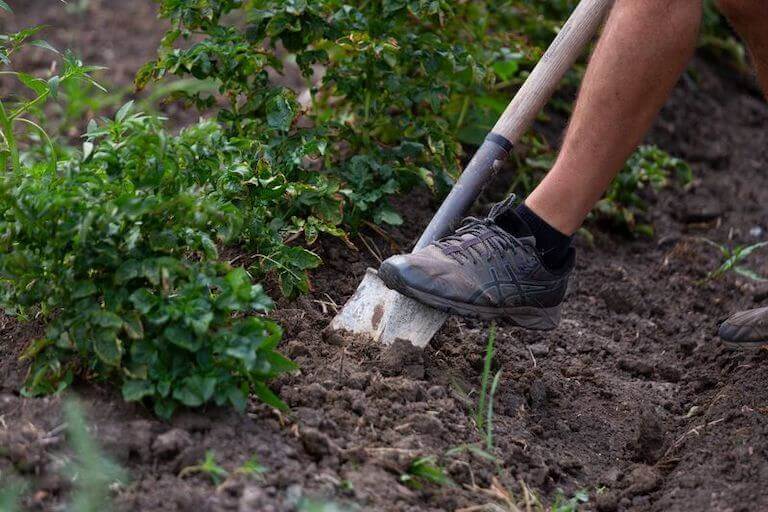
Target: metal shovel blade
{"type": "Point", "coordinates": [385, 315]}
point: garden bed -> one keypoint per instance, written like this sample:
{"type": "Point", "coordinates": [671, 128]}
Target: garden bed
{"type": "Point", "coordinates": [632, 400]}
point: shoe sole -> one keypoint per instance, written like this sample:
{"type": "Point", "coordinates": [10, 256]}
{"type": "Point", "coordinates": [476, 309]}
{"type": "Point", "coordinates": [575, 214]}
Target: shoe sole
{"type": "Point", "coordinates": [528, 317]}
{"type": "Point", "coordinates": [747, 345]}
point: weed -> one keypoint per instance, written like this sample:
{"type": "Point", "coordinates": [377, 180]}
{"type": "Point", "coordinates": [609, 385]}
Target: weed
{"type": "Point", "coordinates": [484, 412]}
{"type": "Point", "coordinates": [572, 504]}
{"type": "Point", "coordinates": [425, 470]}
{"type": "Point", "coordinates": [648, 169]}
{"type": "Point", "coordinates": [207, 467]}
{"type": "Point", "coordinates": [253, 468]}
{"type": "Point", "coordinates": [733, 258]}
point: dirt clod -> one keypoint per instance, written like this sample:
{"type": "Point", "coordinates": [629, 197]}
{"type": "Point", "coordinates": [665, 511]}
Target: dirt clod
{"type": "Point", "coordinates": [402, 358]}
{"type": "Point", "coordinates": [171, 443]}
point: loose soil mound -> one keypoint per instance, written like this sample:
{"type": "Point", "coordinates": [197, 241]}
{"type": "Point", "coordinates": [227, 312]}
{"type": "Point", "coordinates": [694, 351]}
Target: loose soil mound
{"type": "Point", "coordinates": [632, 399]}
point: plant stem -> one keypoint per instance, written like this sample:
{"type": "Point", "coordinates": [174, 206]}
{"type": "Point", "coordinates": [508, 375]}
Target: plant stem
{"type": "Point", "coordinates": [479, 415]}
{"type": "Point", "coordinates": [489, 419]}
{"type": "Point", "coordinates": [462, 113]}
{"type": "Point", "coordinates": [6, 126]}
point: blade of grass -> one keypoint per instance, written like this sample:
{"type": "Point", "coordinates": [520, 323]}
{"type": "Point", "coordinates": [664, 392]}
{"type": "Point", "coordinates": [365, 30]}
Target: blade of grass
{"type": "Point", "coordinates": [480, 412]}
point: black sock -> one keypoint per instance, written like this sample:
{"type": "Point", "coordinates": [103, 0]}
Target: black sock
{"type": "Point", "coordinates": [553, 246]}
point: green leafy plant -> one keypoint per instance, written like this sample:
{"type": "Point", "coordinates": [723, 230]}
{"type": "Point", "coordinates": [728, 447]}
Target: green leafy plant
{"type": "Point", "coordinates": [572, 504]}
{"type": "Point", "coordinates": [648, 169]}
{"type": "Point", "coordinates": [733, 259]}
{"type": "Point", "coordinates": [119, 252]}
{"type": "Point", "coordinates": [389, 88]}
{"type": "Point", "coordinates": [425, 470]}
{"type": "Point", "coordinates": [207, 467]}
{"type": "Point", "coordinates": [253, 468]}
{"type": "Point", "coordinates": [19, 110]}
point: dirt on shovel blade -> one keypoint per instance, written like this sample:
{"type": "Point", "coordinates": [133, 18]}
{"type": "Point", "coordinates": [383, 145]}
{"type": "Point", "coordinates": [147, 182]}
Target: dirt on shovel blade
{"type": "Point", "coordinates": [632, 400]}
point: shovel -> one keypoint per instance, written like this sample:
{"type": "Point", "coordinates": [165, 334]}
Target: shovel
{"type": "Point", "coordinates": [386, 315]}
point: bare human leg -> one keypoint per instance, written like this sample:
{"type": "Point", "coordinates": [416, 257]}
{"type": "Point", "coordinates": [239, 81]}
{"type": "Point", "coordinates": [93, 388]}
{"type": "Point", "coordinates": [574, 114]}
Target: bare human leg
{"type": "Point", "coordinates": [643, 50]}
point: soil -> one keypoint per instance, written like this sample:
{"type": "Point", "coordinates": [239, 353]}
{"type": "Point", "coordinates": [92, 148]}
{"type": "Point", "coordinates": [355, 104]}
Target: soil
{"type": "Point", "coordinates": [632, 399]}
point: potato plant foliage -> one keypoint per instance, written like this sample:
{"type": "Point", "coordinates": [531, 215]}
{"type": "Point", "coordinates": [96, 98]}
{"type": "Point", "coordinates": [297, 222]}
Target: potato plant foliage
{"type": "Point", "coordinates": [115, 248]}
{"type": "Point", "coordinates": [390, 87]}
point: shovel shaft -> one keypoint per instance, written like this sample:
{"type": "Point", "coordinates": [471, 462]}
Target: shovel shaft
{"type": "Point", "coordinates": [518, 116]}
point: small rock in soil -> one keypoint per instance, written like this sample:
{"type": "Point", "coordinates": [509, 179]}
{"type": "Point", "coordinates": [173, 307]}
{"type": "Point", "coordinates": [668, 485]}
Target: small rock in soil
{"type": "Point", "coordinates": [643, 480]}
{"type": "Point", "coordinates": [314, 395]}
{"type": "Point", "coordinates": [172, 442]}
{"type": "Point", "coordinates": [437, 392]}
{"type": "Point", "coordinates": [255, 498]}
{"type": "Point", "coordinates": [425, 424]}
{"type": "Point", "coordinates": [539, 349]}
{"type": "Point", "coordinates": [538, 393]}
{"type": "Point", "coordinates": [316, 443]}
{"type": "Point", "coordinates": [617, 298]}
{"type": "Point", "coordinates": [358, 380]}
{"type": "Point", "coordinates": [332, 336]}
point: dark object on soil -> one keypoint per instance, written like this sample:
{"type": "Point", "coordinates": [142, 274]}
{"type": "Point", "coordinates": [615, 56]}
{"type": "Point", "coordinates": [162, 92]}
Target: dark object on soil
{"type": "Point", "coordinates": [402, 358]}
{"type": "Point", "coordinates": [169, 444]}
{"type": "Point", "coordinates": [317, 444]}
{"type": "Point", "coordinates": [636, 367]}
{"type": "Point", "coordinates": [619, 298]}
{"type": "Point", "coordinates": [649, 442]}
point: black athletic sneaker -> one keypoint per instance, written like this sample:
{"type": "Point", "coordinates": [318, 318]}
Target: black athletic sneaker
{"type": "Point", "coordinates": [483, 271]}
{"type": "Point", "coordinates": [746, 329]}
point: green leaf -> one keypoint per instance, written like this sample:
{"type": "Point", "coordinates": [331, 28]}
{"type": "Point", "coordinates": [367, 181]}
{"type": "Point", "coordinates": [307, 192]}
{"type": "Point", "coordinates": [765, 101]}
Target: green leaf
{"type": "Point", "coordinates": [5, 6]}
{"type": "Point", "coordinates": [53, 86]}
{"type": "Point", "coordinates": [267, 396]}
{"type": "Point", "coordinates": [108, 347]}
{"type": "Point", "coordinates": [45, 45]}
{"type": "Point", "coordinates": [107, 319]}
{"type": "Point", "coordinates": [144, 300]}
{"type": "Point", "coordinates": [133, 326]}
{"type": "Point", "coordinates": [280, 364]}
{"type": "Point", "coordinates": [165, 408]}
{"type": "Point", "coordinates": [749, 273]}
{"type": "Point", "coordinates": [82, 289]}
{"type": "Point", "coordinates": [389, 216]}
{"type": "Point", "coordinates": [279, 113]}
{"type": "Point", "coordinates": [182, 338]}
{"type": "Point", "coordinates": [195, 390]}
{"type": "Point", "coordinates": [87, 151]}
{"type": "Point", "coordinates": [123, 112]}
{"type": "Point", "coordinates": [35, 84]}
{"type": "Point", "coordinates": [237, 398]}
{"type": "Point", "coordinates": [135, 390]}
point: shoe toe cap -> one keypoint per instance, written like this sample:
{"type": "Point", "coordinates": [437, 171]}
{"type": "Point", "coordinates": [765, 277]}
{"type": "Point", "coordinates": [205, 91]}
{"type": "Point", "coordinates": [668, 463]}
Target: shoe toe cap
{"type": "Point", "coordinates": [746, 327]}
{"type": "Point", "coordinates": [404, 270]}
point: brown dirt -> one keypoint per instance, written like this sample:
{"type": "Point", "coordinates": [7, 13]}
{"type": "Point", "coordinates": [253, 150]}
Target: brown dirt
{"type": "Point", "coordinates": [632, 399]}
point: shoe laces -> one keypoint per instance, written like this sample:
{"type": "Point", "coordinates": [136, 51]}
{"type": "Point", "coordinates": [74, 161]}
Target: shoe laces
{"type": "Point", "coordinates": [486, 239]}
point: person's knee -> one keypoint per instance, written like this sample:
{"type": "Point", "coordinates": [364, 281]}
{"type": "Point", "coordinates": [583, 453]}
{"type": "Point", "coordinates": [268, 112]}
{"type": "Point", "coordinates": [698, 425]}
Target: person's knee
{"type": "Point", "coordinates": [744, 10]}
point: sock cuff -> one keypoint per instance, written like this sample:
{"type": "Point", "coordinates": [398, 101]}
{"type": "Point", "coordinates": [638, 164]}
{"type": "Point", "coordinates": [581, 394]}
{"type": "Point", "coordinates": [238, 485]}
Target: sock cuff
{"type": "Point", "coordinates": [539, 225]}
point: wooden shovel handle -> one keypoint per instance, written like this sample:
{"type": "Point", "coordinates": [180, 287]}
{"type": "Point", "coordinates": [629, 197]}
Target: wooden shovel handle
{"type": "Point", "coordinates": [518, 116]}
{"type": "Point", "coordinates": [556, 61]}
